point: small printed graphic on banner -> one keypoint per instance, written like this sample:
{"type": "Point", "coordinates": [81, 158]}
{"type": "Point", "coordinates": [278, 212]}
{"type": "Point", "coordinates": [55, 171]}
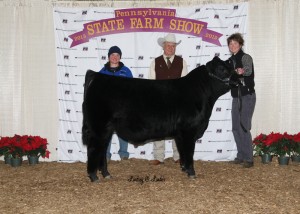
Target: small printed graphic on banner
{"type": "Point", "coordinates": [203, 151]}
{"type": "Point", "coordinates": [219, 141]}
{"type": "Point", "coordinates": [69, 141]}
{"type": "Point", "coordinates": [219, 150]}
{"type": "Point", "coordinates": [199, 141]}
{"type": "Point", "coordinates": [64, 100]}
{"type": "Point", "coordinates": [69, 66]}
{"type": "Point", "coordinates": [72, 121]}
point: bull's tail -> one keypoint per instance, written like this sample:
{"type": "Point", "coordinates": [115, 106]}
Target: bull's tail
{"type": "Point", "coordinates": [85, 132]}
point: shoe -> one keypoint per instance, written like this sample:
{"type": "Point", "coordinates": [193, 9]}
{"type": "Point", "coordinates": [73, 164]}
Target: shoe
{"type": "Point", "coordinates": [155, 162]}
{"type": "Point", "coordinates": [236, 161]}
{"type": "Point", "coordinates": [248, 164]}
{"type": "Point", "coordinates": [124, 158]}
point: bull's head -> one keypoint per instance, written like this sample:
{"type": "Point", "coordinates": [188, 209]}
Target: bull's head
{"type": "Point", "coordinates": [222, 71]}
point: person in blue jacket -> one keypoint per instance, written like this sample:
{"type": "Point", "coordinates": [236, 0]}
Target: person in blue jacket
{"type": "Point", "coordinates": [115, 67]}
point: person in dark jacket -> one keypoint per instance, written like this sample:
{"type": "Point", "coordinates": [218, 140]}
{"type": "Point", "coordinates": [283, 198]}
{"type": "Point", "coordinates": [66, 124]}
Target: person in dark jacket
{"type": "Point", "coordinates": [115, 67]}
{"type": "Point", "coordinates": [243, 102]}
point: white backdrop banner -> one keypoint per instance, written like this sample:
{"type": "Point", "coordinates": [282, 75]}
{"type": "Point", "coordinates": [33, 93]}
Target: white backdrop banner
{"type": "Point", "coordinates": [84, 35]}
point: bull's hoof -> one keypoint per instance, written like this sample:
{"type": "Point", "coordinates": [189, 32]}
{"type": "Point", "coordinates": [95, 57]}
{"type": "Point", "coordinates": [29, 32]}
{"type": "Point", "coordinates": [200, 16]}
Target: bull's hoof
{"type": "Point", "coordinates": [94, 178]}
{"type": "Point", "coordinates": [183, 169]}
{"type": "Point", "coordinates": [108, 177]}
{"type": "Point", "coordinates": [192, 176]}
{"type": "Point", "coordinates": [191, 173]}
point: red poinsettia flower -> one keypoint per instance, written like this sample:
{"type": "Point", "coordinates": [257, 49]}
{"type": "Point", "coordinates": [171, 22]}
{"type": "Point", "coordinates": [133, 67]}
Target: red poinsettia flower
{"type": "Point", "coordinates": [273, 137]}
{"type": "Point", "coordinates": [275, 143]}
{"type": "Point", "coordinates": [4, 146]}
{"type": "Point", "coordinates": [18, 146]}
{"type": "Point", "coordinates": [296, 144]}
{"type": "Point", "coordinates": [296, 137]}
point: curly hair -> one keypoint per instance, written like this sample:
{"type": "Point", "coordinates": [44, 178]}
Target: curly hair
{"type": "Point", "coordinates": [236, 37]}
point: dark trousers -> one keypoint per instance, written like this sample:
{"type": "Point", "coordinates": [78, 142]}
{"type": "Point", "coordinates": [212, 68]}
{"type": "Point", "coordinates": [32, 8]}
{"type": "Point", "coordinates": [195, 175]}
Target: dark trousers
{"type": "Point", "coordinates": [244, 116]}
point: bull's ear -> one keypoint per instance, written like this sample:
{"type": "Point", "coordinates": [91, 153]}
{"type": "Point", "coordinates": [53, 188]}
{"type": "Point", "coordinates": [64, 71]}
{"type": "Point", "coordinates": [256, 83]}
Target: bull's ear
{"type": "Point", "coordinates": [216, 59]}
{"type": "Point", "coordinates": [209, 64]}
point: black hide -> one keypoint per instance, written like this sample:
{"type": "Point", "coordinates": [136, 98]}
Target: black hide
{"type": "Point", "coordinates": [141, 110]}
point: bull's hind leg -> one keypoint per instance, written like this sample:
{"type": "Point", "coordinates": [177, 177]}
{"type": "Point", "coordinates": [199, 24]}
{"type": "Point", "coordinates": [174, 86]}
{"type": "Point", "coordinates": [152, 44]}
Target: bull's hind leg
{"type": "Point", "coordinates": [179, 144]}
{"type": "Point", "coordinates": [103, 161]}
{"type": "Point", "coordinates": [93, 160]}
{"type": "Point", "coordinates": [96, 152]}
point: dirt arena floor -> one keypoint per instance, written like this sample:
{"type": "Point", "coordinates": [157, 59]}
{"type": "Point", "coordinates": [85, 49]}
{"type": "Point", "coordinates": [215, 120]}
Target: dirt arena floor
{"type": "Point", "coordinates": [137, 187]}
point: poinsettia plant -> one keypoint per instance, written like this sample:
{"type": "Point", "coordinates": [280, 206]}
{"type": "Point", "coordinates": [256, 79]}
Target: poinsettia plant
{"type": "Point", "coordinates": [282, 144]}
{"type": "Point", "coordinates": [4, 146]}
{"type": "Point", "coordinates": [36, 146]}
{"type": "Point", "coordinates": [19, 146]}
{"type": "Point", "coordinates": [296, 144]}
{"type": "Point", "coordinates": [15, 146]}
{"type": "Point", "coordinates": [274, 143]}
{"type": "Point", "coordinates": [260, 145]}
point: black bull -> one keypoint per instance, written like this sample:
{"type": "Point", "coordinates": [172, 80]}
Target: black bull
{"type": "Point", "coordinates": [141, 110]}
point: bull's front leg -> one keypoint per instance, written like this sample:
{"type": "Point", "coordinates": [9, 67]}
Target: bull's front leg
{"type": "Point", "coordinates": [186, 151]}
{"type": "Point", "coordinates": [187, 165]}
